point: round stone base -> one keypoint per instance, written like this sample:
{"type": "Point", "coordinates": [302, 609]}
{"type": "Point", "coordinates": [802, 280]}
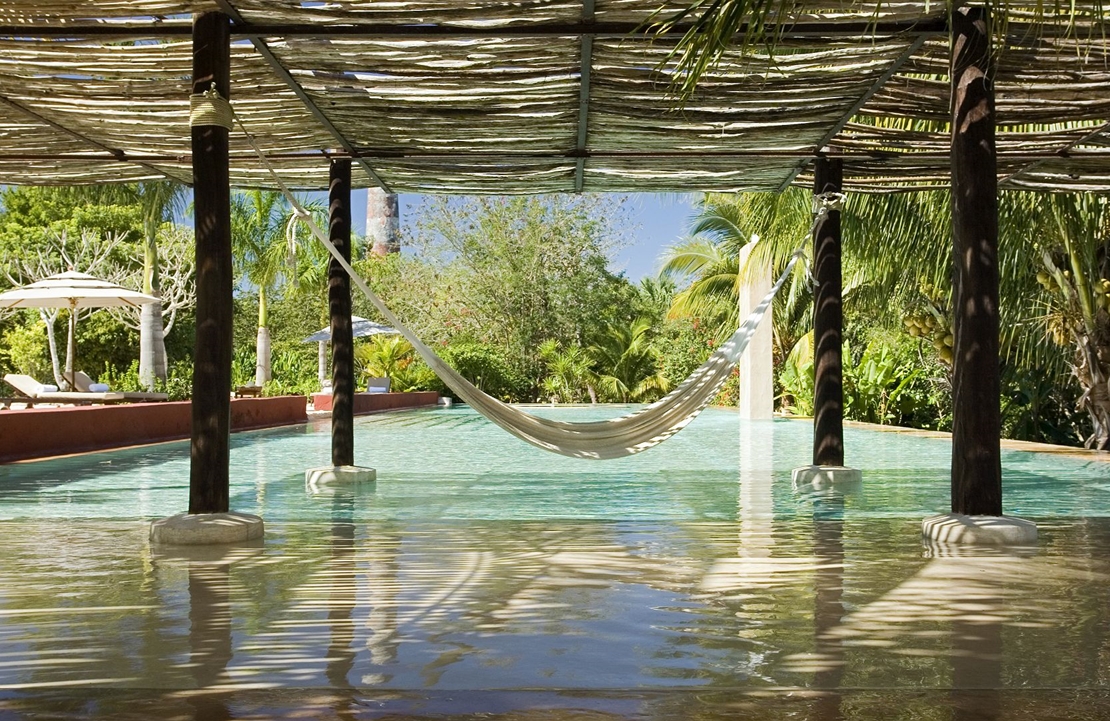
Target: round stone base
{"type": "Point", "coordinates": [980, 530]}
{"type": "Point", "coordinates": [821, 477]}
{"type": "Point", "coordinates": [206, 529]}
{"type": "Point", "coordinates": [316, 478]}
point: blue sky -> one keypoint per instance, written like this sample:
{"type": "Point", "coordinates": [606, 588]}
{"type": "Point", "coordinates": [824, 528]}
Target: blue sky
{"type": "Point", "coordinates": [658, 220]}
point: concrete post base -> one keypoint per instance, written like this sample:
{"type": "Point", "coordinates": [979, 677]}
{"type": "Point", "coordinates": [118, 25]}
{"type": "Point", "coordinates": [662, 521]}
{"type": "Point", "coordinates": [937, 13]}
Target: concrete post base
{"type": "Point", "coordinates": [206, 529]}
{"type": "Point", "coordinates": [821, 477]}
{"type": "Point", "coordinates": [980, 530]}
{"type": "Point", "coordinates": [316, 478]}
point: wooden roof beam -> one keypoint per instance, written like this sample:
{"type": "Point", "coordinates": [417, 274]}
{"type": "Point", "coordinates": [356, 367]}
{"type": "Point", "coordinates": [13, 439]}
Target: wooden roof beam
{"type": "Point", "coordinates": [851, 112]}
{"type": "Point", "coordinates": [264, 50]}
{"type": "Point", "coordinates": [940, 156]}
{"type": "Point", "coordinates": [584, 96]}
{"type": "Point", "coordinates": [1061, 153]}
{"type": "Point", "coordinates": [244, 29]}
{"type": "Point", "coordinates": [117, 154]}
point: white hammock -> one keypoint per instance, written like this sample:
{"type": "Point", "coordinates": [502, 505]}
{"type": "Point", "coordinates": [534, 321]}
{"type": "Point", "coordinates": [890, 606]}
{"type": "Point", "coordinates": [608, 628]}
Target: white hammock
{"type": "Point", "coordinates": [612, 438]}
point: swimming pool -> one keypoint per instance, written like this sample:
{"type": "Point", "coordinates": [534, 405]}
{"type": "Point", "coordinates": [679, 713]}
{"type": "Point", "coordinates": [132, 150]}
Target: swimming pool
{"type": "Point", "coordinates": [480, 575]}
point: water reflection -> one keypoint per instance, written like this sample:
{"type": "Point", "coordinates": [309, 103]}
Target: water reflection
{"type": "Point", "coordinates": [209, 637]}
{"type": "Point", "coordinates": [828, 608]}
{"type": "Point", "coordinates": [665, 620]}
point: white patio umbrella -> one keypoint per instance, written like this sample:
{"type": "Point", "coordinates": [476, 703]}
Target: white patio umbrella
{"type": "Point", "coordinates": [360, 327]}
{"type": "Point", "coordinates": [74, 291]}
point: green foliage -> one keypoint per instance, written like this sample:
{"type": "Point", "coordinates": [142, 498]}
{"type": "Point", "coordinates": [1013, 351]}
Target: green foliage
{"type": "Point", "coordinates": [178, 384]}
{"type": "Point", "coordinates": [101, 340]}
{"type": "Point", "coordinates": [32, 215]}
{"type": "Point", "coordinates": [292, 375]}
{"type": "Point", "coordinates": [23, 349]}
{"type": "Point", "coordinates": [242, 366]}
{"type": "Point", "coordinates": [513, 272]}
{"type": "Point", "coordinates": [1035, 408]}
{"type": "Point", "coordinates": [483, 365]}
{"type": "Point", "coordinates": [383, 356]}
{"type": "Point", "coordinates": [626, 363]}
{"type": "Point", "coordinates": [795, 378]}
{"type": "Point", "coordinates": [877, 389]}
{"type": "Point", "coordinates": [681, 345]}
{"type": "Point", "coordinates": [569, 377]}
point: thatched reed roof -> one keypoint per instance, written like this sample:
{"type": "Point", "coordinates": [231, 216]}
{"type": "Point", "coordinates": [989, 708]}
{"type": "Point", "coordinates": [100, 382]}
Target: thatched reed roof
{"type": "Point", "coordinates": [493, 96]}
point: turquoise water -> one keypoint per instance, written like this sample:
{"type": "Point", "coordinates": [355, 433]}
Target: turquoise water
{"type": "Point", "coordinates": [482, 578]}
{"type": "Point", "coordinates": [452, 464]}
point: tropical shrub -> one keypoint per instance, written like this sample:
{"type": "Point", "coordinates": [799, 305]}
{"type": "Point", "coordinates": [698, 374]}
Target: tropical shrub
{"type": "Point", "coordinates": [626, 363]}
{"type": "Point", "coordinates": [482, 365]}
{"type": "Point", "coordinates": [569, 378]}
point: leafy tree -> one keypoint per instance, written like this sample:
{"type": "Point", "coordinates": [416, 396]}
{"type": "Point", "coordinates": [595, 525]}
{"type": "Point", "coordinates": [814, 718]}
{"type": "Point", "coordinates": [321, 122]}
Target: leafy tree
{"type": "Point", "coordinates": [137, 214]}
{"type": "Point", "coordinates": [516, 271]}
{"type": "Point", "coordinates": [89, 253]}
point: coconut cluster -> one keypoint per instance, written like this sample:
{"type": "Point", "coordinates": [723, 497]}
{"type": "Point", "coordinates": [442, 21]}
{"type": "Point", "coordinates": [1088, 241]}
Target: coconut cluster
{"type": "Point", "coordinates": [936, 330]}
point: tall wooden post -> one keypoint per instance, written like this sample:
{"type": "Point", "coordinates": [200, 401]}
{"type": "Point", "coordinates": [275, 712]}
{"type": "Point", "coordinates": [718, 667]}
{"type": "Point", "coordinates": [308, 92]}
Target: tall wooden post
{"type": "Point", "coordinates": [209, 453]}
{"type": "Point", "coordinates": [339, 305]}
{"type": "Point", "coordinates": [828, 322]}
{"type": "Point", "coordinates": [976, 425]}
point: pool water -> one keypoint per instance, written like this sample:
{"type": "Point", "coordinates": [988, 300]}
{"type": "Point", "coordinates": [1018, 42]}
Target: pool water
{"type": "Point", "coordinates": [481, 577]}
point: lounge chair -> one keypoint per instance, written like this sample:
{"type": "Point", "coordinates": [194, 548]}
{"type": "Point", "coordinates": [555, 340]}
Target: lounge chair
{"type": "Point", "coordinates": [377, 385]}
{"type": "Point", "coordinates": [38, 393]}
{"type": "Point", "coordinates": [251, 391]}
{"type": "Point", "coordinates": [86, 385]}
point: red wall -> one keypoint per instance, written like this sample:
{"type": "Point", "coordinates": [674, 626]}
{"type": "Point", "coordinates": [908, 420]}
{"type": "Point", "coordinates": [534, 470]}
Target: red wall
{"type": "Point", "coordinates": [42, 432]}
{"type": "Point", "coordinates": [374, 402]}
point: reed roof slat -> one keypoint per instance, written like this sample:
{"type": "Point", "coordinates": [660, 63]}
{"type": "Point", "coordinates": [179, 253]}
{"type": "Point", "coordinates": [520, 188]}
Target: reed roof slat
{"type": "Point", "coordinates": [490, 102]}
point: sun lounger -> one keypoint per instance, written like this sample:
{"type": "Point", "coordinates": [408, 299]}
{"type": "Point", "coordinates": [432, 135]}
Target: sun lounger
{"type": "Point", "coordinates": [377, 385]}
{"type": "Point", "coordinates": [33, 390]}
{"type": "Point", "coordinates": [85, 385]}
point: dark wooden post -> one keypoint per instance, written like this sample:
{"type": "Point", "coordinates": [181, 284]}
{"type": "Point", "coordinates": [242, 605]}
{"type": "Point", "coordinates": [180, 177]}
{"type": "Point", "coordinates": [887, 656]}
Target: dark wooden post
{"type": "Point", "coordinates": [339, 305]}
{"type": "Point", "coordinates": [208, 474]}
{"type": "Point", "coordinates": [828, 322]}
{"type": "Point", "coordinates": [976, 425]}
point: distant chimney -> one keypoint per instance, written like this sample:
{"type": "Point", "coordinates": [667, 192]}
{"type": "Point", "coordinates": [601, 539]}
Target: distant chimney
{"type": "Point", "coordinates": [383, 222]}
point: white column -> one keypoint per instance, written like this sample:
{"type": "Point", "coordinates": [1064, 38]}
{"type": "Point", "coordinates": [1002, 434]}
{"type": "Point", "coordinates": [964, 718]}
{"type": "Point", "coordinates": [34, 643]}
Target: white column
{"type": "Point", "coordinates": [757, 388]}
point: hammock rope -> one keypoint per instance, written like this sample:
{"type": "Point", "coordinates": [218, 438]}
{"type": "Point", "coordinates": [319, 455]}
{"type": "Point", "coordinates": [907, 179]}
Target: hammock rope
{"type": "Point", "coordinates": [613, 438]}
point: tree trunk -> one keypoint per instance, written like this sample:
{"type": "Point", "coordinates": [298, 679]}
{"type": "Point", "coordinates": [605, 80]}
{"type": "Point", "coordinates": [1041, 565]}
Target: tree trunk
{"type": "Point", "coordinates": [52, 341]}
{"type": "Point", "coordinates": [262, 343]}
{"type": "Point", "coordinates": [383, 222]}
{"type": "Point", "coordinates": [152, 348]}
{"type": "Point", "coordinates": [262, 350]}
{"type": "Point", "coordinates": [71, 351]}
{"type": "Point", "coordinates": [152, 343]}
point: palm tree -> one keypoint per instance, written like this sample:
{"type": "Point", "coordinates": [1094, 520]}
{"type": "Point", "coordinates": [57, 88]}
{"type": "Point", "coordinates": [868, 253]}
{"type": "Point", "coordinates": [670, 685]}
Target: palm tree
{"type": "Point", "coordinates": [159, 201]}
{"type": "Point", "coordinates": [711, 258]}
{"type": "Point", "coordinates": [268, 257]}
{"type": "Point", "coordinates": [1076, 262]}
{"type": "Point", "coordinates": [626, 363]}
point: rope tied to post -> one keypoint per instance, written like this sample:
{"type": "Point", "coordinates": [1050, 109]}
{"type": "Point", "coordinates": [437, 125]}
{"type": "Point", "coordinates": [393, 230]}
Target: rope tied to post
{"type": "Point", "coordinates": [210, 108]}
{"type": "Point", "coordinates": [828, 202]}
